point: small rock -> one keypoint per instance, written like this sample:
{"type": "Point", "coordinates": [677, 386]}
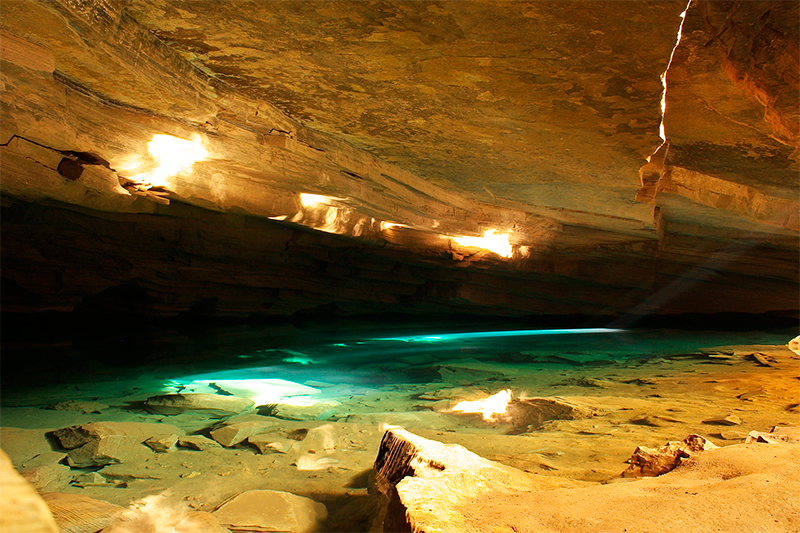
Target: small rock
{"type": "Point", "coordinates": [640, 382]}
{"type": "Point", "coordinates": [654, 462]}
{"type": "Point", "coordinates": [750, 395]}
{"type": "Point", "coordinates": [647, 421]}
{"type": "Point", "coordinates": [232, 433]}
{"type": "Point", "coordinates": [190, 475]}
{"type": "Point", "coordinates": [730, 420]}
{"type": "Point", "coordinates": [197, 442]}
{"type": "Point", "coordinates": [270, 510]}
{"type": "Point", "coordinates": [794, 345]}
{"type": "Point", "coordinates": [764, 359]}
{"type": "Point", "coordinates": [269, 444]}
{"type": "Point", "coordinates": [162, 444]}
{"type": "Point", "coordinates": [298, 434]}
{"type": "Point", "coordinates": [583, 382]}
{"type": "Point", "coordinates": [730, 435]}
{"type": "Point", "coordinates": [778, 435]}
{"type": "Point", "coordinates": [81, 406]}
{"type": "Point", "coordinates": [92, 479]}
{"type": "Point", "coordinates": [211, 404]}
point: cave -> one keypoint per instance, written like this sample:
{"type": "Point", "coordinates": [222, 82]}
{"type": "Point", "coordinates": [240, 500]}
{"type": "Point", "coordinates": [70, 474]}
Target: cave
{"type": "Point", "coordinates": [288, 256]}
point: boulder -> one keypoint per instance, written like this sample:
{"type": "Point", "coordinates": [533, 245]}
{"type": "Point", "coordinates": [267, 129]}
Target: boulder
{"type": "Point", "coordinates": [232, 433]}
{"type": "Point", "coordinates": [654, 462]}
{"type": "Point", "coordinates": [211, 404]}
{"type": "Point", "coordinates": [103, 443]}
{"type": "Point", "coordinates": [256, 511]}
{"type": "Point", "coordinates": [422, 482]}
{"type": "Point", "coordinates": [76, 513]}
{"type": "Point", "coordinates": [21, 508]}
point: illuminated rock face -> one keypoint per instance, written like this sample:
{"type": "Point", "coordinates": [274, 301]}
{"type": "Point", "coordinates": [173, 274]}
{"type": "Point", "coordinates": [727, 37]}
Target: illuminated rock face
{"type": "Point", "coordinates": [411, 125]}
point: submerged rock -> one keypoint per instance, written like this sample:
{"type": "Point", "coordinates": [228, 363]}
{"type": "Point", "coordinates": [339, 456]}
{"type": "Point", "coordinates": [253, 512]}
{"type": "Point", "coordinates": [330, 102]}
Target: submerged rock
{"type": "Point", "coordinates": [527, 415]}
{"type": "Point", "coordinates": [654, 462]}
{"type": "Point", "coordinates": [232, 433]}
{"type": "Point", "coordinates": [730, 420]}
{"type": "Point", "coordinates": [212, 404]}
{"type": "Point", "coordinates": [270, 510]}
{"type": "Point", "coordinates": [104, 443]}
{"type": "Point", "coordinates": [77, 405]}
{"type": "Point", "coordinates": [318, 411]}
{"type": "Point", "coordinates": [270, 444]}
{"type": "Point", "coordinates": [197, 442]}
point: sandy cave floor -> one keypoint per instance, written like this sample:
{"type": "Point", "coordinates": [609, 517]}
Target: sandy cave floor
{"type": "Point", "coordinates": [642, 400]}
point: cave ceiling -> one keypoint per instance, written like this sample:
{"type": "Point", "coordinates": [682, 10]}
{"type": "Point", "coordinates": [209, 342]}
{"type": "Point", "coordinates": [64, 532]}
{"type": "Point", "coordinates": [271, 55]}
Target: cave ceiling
{"type": "Point", "coordinates": [540, 119]}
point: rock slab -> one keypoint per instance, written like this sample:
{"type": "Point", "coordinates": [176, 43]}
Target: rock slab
{"type": "Point", "coordinates": [257, 511]}
{"type": "Point", "coordinates": [212, 404]}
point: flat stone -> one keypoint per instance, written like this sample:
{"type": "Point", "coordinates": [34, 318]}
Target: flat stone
{"type": "Point", "coordinates": [212, 404]}
{"type": "Point", "coordinates": [197, 442]}
{"type": "Point", "coordinates": [270, 444]}
{"type": "Point", "coordinates": [231, 434]}
{"type": "Point", "coordinates": [318, 411]}
{"type": "Point", "coordinates": [270, 510]}
{"type": "Point", "coordinates": [80, 406]}
{"type": "Point", "coordinates": [730, 420]}
{"type": "Point", "coordinates": [78, 513]}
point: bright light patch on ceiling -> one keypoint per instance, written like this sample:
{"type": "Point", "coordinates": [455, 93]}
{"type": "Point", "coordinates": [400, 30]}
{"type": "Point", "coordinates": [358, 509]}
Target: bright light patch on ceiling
{"type": "Point", "coordinates": [489, 407]}
{"type": "Point", "coordinates": [172, 156]}
{"type": "Point", "coordinates": [389, 225]}
{"type": "Point", "coordinates": [492, 240]}
{"type": "Point", "coordinates": [444, 337]}
{"type": "Point", "coordinates": [315, 200]}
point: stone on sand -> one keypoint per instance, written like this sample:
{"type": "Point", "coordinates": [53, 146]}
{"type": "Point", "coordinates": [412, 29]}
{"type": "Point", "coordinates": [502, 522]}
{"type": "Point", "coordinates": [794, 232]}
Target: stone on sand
{"type": "Point", "coordinates": [270, 444]}
{"type": "Point", "coordinates": [84, 407]}
{"type": "Point", "coordinates": [232, 433]}
{"type": "Point", "coordinates": [778, 435]}
{"type": "Point", "coordinates": [104, 443]}
{"type": "Point", "coordinates": [656, 461]}
{"type": "Point", "coordinates": [197, 442]}
{"type": "Point", "coordinates": [256, 511]}
{"type": "Point", "coordinates": [211, 404]}
{"type": "Point", "coordinates": [78, 513]}
{"type": "Point", "coordinates": [162, 444]}
{"type": "Point", "coordinates": [730, 420]}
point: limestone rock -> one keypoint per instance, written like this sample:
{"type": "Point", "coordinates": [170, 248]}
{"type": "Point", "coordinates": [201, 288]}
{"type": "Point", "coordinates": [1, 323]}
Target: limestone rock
{"type": "Point", "coordinates": [212, 404]}
{"type": "Point", "coordinates": [103, 443]}
{"type": "Point", "coordinates": [197, 442]}
{"type": "Point", "coordinates": [270, 444]}
{"type": "Point", "coordinates": [422, 481]}
{"type": "Point", "coordinates": [794, 345]}
{"type": "Point", "coordinates": [319, 411]}
{"type": "Point", "coordinates": [162, 444]}
{"type": "Point", "coordinates": [232, 433]}
{"type": "Point", "coordinates": [654, 462]}
{"type": "Point", "coordinates": [22, 510]}
{"type": "Point", "coordinates": [81, 406]}
{"type": "Point", "coordinates": [256, 511]}
{"type": "Point", "coordinates": [158, 521]}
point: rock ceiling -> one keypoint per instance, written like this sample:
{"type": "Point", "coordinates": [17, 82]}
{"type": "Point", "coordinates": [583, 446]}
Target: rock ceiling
{"type": "Point", "coordinates": [451, 118]}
